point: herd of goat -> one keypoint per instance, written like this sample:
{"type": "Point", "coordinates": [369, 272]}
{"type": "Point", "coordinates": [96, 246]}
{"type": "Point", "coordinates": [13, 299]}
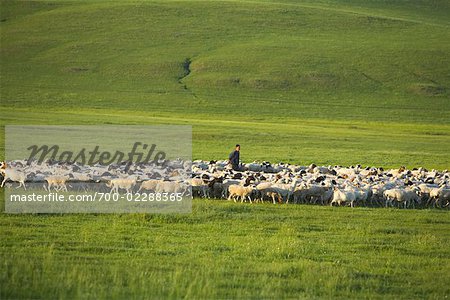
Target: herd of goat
{"type": "Point", "coordinates": [254, 182]}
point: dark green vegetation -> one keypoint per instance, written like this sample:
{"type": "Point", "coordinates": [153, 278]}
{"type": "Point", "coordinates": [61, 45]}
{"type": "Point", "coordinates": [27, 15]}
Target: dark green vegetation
{"type": "Point", "coordinates": [324, 82]}
{"type": "Point", "coordinates": [228, 250]}
{"type": "Point", "coordinates": [330, 82]}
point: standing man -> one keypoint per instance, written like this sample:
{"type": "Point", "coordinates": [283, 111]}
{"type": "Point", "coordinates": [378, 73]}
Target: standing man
{"type": "Point", "coordinates": [233, 158]}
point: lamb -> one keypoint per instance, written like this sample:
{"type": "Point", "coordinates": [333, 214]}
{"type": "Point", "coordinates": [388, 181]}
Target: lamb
{"type": "Point", "coordinates": [378, 192]}
{"type": "Point", "coordinates": [342, 197]}
{"type": "Point", "coordinates": [391, 195]}
{"type": "Point", "coordinates": [285, 189]}
{"type": "Point", "coordinates": [56, 181]}
{"type": "Point", "coordinates": [440, 196]}
{"type": "Point", "coordinates": [444, 197]}
{"type": "Point", "coordinates": [276, 190]}
{"type": "Point", "coordinates": [362, 194]}
{"type": "Point", "coordinates": [346, 173]}
{"type": "Point", "coordinates": [261, 189]}
{"type": "Point", "coordinates": [226, 184]}
{"type": "Point", "coordinates": [121, 183]}
{"type": "Point", "coordinates": [13, 175]}
{"type": "Point", "coordinates": [428, 192]}
{"type": "Point", "coordinates": [410, 197]}
{"type": "Point", "coordinates": [149, 185]}
{"type": "Point", "coordinates": [397, 172]}
{"type": "Point", "coordinates": [312, 193]}
{"type": "Point", "coordinates": [172, 187]}
{"type": "Point", "coordinates": [216, 186]}
{"type": "Point", "coordinates": [405, 196]}
{"type": "Point", "coordinates": [235, 190]}
{"type": "Point", "coordinates": [273, 194]}
{"type": "Point", "coordinates": [199, 186]}
{"type": "Point", "coordinates": [327, 195]}
{"type": "Point", "coordinates": [217, 190]}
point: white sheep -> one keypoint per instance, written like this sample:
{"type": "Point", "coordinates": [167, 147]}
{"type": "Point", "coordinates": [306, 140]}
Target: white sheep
{"type": "Point", "coordinates": [362, 194]}
{"type": "Point", "coordinates": [313, 193]}
{"type": "Point", "coordinates": [172, 187]}
{"type": "Point", "coordinates": [285, 190]}
{"type": "Point", "coordinates": [440, 196]}
{"type": "Point", "coordinates": [13, 175]}
{"type": "Point", "coordinates": [226, 184]}
{"type": "Point", "coordinates": [235, 190]}
{"type": "Point", "coordinates": [342, 196]}
{"type": "Point", "coordinates": [121, 183]}
{"type": "Point", "coordinates": [402, 196]}
{"type": "Point", "coordinates": [149, 185]}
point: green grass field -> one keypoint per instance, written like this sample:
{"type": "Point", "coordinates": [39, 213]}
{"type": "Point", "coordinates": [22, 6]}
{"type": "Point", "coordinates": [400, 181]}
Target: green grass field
{"type": "Point", "coordinates": [327, 81]}
{"type": "Point", "coordinates": [226, 250]}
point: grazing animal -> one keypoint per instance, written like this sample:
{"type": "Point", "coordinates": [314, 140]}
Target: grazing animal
{"type": "Point", "coordinates": [13, 175]}
{"type": "Point", "coordinates": [401, 196]}
{"type": "Point", "coordinates": [121, 183]}
{"type": "Point", "coordinates": [171, 187]}
{"type": "Point", "coordinates": [56, 181]}
{"type": "Point", "coordinates": [149, 185]}
{"type": "Point", "coordinates": [342, 197]}
{"type": "Point", "coordinates": [235, 190]}
{"type": "Point", "coordinates": [200, 187]}
{"type": "Point", "coordinates": [440, 196]}
{"type": "Point", "coordinates": [273, 193]}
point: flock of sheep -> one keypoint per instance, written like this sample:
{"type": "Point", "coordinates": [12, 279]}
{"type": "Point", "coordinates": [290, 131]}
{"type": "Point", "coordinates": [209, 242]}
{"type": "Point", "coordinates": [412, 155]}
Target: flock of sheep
{"type": "Point", "coordinates": [254, 182]}
{"type": "Point", "coordinates": [353, 186]}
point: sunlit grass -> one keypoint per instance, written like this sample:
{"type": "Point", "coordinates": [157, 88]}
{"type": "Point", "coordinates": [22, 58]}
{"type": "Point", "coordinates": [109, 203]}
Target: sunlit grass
{"type": "Point", "coordinates": [227, 250]}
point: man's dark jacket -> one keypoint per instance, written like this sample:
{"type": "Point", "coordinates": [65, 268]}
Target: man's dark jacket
{"type": "Point", "coordinates": [234, 158]}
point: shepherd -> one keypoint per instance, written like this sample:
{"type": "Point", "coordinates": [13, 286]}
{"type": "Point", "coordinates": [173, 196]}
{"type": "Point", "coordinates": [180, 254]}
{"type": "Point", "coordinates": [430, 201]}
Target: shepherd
{"type": "Point", "coordinates": [233, 158]}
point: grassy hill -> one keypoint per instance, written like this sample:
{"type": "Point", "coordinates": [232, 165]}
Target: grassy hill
{"type": "Point", "coordinates": [327, 82]}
